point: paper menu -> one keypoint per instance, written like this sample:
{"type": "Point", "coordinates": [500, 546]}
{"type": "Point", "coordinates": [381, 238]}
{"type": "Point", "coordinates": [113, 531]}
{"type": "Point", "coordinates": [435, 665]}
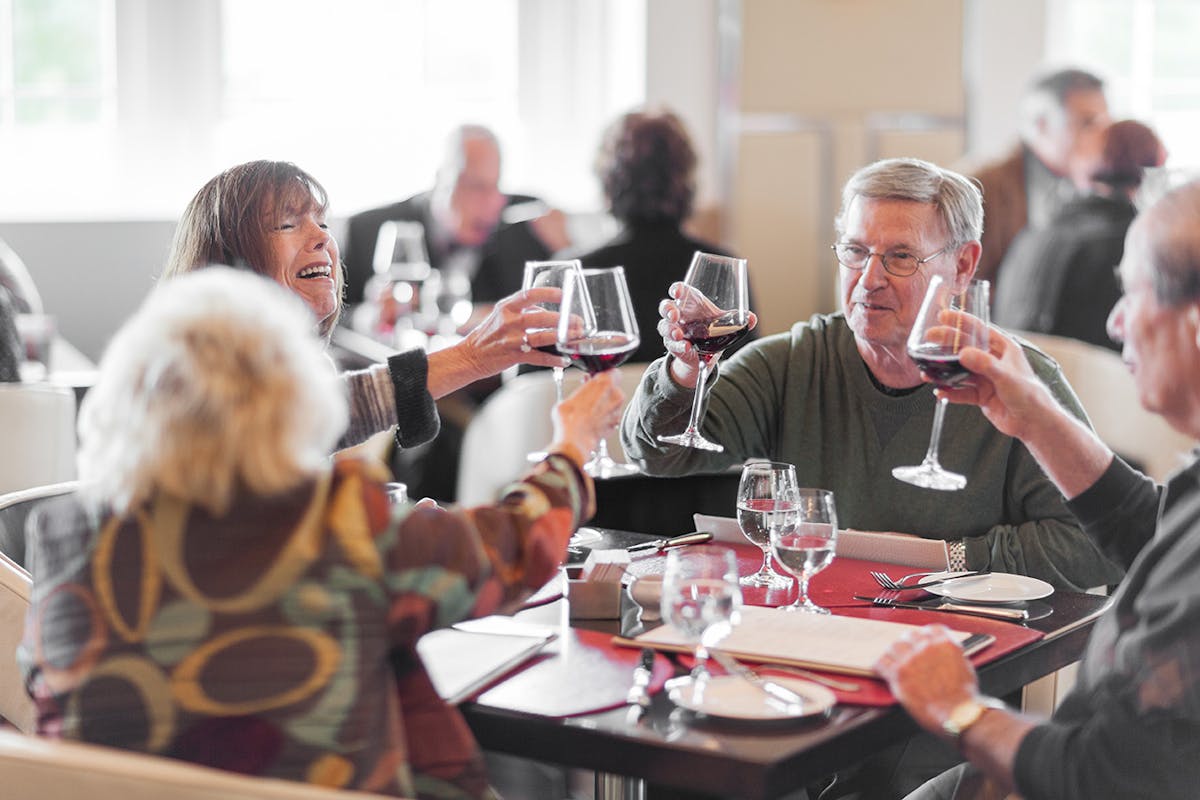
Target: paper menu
{"type": "Point", "coordinates": [461, 662]}
{"type": "Point", "coordinates": [894, 548]}
{"type": "Point", "coordinates": [828, 642]}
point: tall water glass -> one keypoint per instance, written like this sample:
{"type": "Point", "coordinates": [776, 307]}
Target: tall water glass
{"type": "Point", "coordinates": [701, 599]}
{"type": "Point", "coordinates": [767, 501]}
{"type": "Point", "coordinates": [808, 548]}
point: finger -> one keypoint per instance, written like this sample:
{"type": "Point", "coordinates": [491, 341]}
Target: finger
{"type": "Point", "coordinates": [538, 317]}
{"type": "Point", "coordinates": [752, 321]}
{"type": "Point", "coordinates": [677, 289]}
{"type": "Point", "coordinates": [531, 297]}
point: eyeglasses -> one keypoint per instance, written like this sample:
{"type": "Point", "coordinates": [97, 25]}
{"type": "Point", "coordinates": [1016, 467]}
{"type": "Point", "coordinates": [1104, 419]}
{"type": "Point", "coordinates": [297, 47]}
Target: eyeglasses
{"type": "Point", "coordinates": [898, 262]}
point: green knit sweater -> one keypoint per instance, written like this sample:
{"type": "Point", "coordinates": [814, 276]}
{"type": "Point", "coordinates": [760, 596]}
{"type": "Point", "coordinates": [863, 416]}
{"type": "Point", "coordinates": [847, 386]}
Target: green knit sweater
{"type": "Point", "coordinates": [806, 397]}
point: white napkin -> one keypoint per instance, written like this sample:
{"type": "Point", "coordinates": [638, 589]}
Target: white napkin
{"type": "Point", "coordinates": [894, 548]}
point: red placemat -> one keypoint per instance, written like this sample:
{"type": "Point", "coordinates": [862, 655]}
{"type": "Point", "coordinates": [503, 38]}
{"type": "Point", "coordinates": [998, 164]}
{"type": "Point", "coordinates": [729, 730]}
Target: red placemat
{"type": "Point", "coordinates": [554, 686]}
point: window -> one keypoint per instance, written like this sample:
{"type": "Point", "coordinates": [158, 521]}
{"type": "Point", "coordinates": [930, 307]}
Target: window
{"type": "Point", "coordinates": [1146, 50]}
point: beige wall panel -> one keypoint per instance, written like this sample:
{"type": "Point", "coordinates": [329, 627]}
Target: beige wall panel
{"type": "Point", "coordinates": [941, 147]}
{"type": "Point", "coordinates": [777, 202]}
{"type": "Point", "coordinates": [828, 56]}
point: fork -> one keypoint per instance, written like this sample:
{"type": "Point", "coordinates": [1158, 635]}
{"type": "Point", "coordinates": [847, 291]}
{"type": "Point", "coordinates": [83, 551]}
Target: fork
{"type": "Point", "coordinates": [887, 582]}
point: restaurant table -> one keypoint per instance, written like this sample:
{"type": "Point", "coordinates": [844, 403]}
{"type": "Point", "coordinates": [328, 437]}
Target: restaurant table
{"type": "Point", "coordinates": [667, 748]}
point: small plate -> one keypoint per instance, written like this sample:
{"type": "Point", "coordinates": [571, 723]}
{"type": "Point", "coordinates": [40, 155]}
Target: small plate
{"type": "Point", "coordinates": [731, 697]}
{"type": "Point", "coordinates": [996, 587]}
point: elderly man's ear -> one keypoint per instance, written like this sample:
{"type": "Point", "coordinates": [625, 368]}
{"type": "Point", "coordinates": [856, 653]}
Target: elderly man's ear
{"type": "Point", "coordinates": [1193, 318]}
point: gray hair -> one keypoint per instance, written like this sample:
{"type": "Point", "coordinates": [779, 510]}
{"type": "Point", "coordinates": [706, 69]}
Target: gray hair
{"type": "Point", "coordinates": [958, 199]}
{"type": "Point", "coordinates": [217, 384]}
{"type": "Point", "coordinates": [1046, 96]}
{"type": "Point", "coordinates": [453, 156]}
{"type": "Point", "coordinates": [1172, 230]}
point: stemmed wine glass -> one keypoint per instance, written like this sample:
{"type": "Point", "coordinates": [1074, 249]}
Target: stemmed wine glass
{"type": "Point", "coordinates": [702, 600]}
{"type": "Point", "coordinates": [934, 343]}
{"type": "Point", "coordinates": [714, 314]}
{"type": "Point", "coordinates": [767, 501]}
{"type": "Point", "coordinates": [808, 547]}
{"type": "Point", "coordinates": [597, 330]}
{"type": "Point", "coordinates": [548, 273]}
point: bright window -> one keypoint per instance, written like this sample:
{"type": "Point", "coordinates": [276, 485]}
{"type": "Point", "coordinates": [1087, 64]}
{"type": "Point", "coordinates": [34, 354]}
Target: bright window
{"type": "Point", "coordinates": [1146, 49]}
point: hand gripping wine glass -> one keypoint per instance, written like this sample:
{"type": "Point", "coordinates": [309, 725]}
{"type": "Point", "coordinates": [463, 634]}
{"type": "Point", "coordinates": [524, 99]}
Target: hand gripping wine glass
{"type": "Point", "coordinates": [548, 273]}
{"type": "Point", "coordinates": [808, 547]}
{"type": "Point", "coordinates": [951, 317]}
{"type": "Point", "coordinates": [701, 599]}
{"type": "Point", "coordinates": [714, 314]}
{"type": "Point", "coordinates": [767, 502]}
{"type": "Point", "coordinates": [598, 331]}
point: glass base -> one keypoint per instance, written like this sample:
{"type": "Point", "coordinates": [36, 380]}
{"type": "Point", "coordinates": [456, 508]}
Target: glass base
{"type": "Point", "coordinates": [607, 468]}
{"type": "Point", "coordinates": [692, 439]}
{"type": "Point", "coordinates": [585, 537]}
{"type": "Point", "coordinates": [930, 476]}
{"type": "Point", "coordinates": [769, 579]}
{"type": "Point", "coordinates": [807, 607]}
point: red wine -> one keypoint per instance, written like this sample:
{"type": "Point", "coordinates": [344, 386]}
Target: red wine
{"type": "Point", "coordinates": [942, 368]}
{"type": "Point", "coordinates": [601, 351]}
{"type": "Point", "coordinates": [715, 334]}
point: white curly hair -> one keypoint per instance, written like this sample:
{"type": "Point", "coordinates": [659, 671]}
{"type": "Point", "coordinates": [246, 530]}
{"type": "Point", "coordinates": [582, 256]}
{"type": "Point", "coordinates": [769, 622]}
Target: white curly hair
{"type": "Point", "coordinates": [218, 384]}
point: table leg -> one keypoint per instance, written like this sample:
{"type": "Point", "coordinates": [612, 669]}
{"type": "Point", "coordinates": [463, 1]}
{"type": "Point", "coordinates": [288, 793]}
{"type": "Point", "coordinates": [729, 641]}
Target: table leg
{"type": "Point", "coordinates": [619, 787]}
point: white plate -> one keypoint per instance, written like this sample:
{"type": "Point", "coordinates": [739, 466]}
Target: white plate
{"type": "Point", "coordinates": [731, 697]}
{"type": "Point", "coordinates": [998, 587]}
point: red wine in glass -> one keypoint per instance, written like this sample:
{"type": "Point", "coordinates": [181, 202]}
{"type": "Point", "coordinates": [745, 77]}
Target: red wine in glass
{"type": "Point", "coordinates": [943, 368]}
{"type": "Point", "coordinates": [601, 351]}
{"type": "Point", "coordinates": [716, 334]}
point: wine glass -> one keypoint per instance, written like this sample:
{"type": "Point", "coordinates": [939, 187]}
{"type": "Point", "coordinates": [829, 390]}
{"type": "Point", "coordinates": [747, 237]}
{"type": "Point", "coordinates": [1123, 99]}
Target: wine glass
{"type": "Point", "coordinates": [714, 314]}
{"type": "Point", "coordinates": [767, 500]}
{"type": "Point", "coordinates": [808, 547]}
{"type": "Point", "coordinates": [549, 273]}
{"type": "Point", "coordinates": [597, 330]}
{"type": "Point", "coordinates": [701, 599]}
{"type": "Point", "coordinates": [936, 339]}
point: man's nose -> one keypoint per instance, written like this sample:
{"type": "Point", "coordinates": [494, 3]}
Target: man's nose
{"type": "Point", "coordinates": [1115, 325]}
{"type": "Point", "coordinates": [873, 272]}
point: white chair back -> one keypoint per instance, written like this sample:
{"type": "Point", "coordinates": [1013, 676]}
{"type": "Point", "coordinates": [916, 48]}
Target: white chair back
{"type": "Point", "coordinates": [515, 421]}
{"type": "Point", "coordinates": [33, 768]}
{"type": "Point", "coordinates": [37, 427]}
{"type": "Point", "coordinates": [1109, 395]}
{"type": "Point", "coordinates": [14, 511]}
{"type": "Point", "coordinates": [15, 586]}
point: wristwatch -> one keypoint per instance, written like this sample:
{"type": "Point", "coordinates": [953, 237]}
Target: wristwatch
{"type": "Point", "coordinates": [966, 714]}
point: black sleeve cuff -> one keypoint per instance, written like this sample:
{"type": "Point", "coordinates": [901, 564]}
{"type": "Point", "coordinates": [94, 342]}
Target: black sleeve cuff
{"type": "Point", "coordinates": [417, 419]}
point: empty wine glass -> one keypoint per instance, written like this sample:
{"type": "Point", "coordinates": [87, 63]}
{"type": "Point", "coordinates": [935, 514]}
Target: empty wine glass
{"type": "Point", "coordinates": [714, 314]}
{"type": "Point", "coordinates": [767, 500]}
{"type": "Point", "coordinates": [937, 337]}
{"type": "Point", "coordinates": [808, 548]}
{"type": "Point", "coordinates": [597, 330]}
{"type": "Point", "coordinates": [701, 599]}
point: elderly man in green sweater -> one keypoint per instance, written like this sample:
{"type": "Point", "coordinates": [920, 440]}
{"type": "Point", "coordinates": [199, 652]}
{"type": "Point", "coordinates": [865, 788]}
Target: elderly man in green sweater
{"type": "Point", "coordinates": [839, 397]}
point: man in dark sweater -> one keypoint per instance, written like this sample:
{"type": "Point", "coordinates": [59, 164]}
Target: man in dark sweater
{"type": "Point", "coordinates": [1131, 727]}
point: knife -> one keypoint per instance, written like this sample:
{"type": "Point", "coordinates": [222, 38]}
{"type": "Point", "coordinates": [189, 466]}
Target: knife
{"type": "Point", "coordinates": [639, 693]}
{"type": "Point", "coordinates": [776, 692]}
{"type": "Point", "coordinates": [662, 544]}
{"type": "Point", "coordinates": [1010, 614]}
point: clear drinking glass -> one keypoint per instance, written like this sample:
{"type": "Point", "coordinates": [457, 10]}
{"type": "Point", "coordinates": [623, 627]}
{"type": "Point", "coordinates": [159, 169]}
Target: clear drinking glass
{"type": "Point", "coordinates": [714, 313]}
{"type": "Point", "coordinates": [767, 501]}
{"type": "Point", "coordinates": [701, 599]}
{"type": "Point", "coordinates": [597, 330]}
{"type": "Point", "coordinates": [550, 273]}
{"type": "Point", "coordinates": [951, 317]}
{"type": "Point", "coordinates": [808, 548]}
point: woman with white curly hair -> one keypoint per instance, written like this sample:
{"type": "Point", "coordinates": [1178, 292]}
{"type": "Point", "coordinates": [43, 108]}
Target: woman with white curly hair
{"type": "Point", "coordinates": [221, 592]}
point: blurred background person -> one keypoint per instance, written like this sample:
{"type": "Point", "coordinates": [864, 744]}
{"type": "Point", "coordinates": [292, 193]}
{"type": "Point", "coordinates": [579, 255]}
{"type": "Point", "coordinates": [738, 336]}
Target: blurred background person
{"type": "Point", "coordinates": [647, 168]}
{"type": "Point", "coordinates": [12, 352]}
{"type": "Point", "coordinates": [471, 228]}
{"type": "Point", "coordinates": [15, 277]}
{"type": "Point", "coordinates": [1026, 187]}
{"type": "Point", "coordinates": [270, 217]}
{"type": "Point", "coordinates": [220, 592]}
{"type": "Point", "coordinates": [1061, 278]}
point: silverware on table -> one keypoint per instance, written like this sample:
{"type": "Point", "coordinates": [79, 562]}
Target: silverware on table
{"type": "Point", "coordinates": [1009, 614]}
{"type": "Point", "coordinates": [815, 677]}
{"type": "Point", "coordinates": [639, 692]}
{"type": "Point", "coordinates": [887, 582]}
{"type": "Point", "coordinates": [792, 701]}
{"type": "Point", "coordinates": [698, 537]}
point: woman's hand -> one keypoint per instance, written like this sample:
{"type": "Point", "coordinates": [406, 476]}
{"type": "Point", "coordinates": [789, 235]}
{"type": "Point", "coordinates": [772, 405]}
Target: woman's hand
{"type": "Point", "coordinates": [684, 302]}
{"type": "Point", "coordinates": [587, 415]}
{"type": "Point", "coordinates": [510, 334]}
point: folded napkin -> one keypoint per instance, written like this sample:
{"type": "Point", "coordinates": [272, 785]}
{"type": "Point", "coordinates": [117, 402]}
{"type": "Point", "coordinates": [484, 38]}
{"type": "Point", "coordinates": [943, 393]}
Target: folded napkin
{"type": "Point", "coordinates": [893, 548]}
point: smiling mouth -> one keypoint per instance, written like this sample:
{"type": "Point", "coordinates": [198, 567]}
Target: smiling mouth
{"type": "Point", "coordinates": [316, 271]}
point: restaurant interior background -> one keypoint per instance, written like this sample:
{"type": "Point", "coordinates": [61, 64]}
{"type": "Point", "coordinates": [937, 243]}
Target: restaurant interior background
{"type": "Point", "coordinates": [114, 112]}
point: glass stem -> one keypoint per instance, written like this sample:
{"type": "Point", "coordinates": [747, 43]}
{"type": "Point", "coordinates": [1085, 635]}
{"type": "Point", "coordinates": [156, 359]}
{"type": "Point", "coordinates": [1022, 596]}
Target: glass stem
{"type": "Point", "coordinates": [935, 437]}
{"type": "Point", "coordinates": [698, 398]}
{"type": "Point", "coordinates": [602, 451]}
{"type": "Point", "coordinates": [558, 383]}
{"type": "Point", "coordinates": [765, 569]}
{"type": "Point", "coordinates": [802, 592]}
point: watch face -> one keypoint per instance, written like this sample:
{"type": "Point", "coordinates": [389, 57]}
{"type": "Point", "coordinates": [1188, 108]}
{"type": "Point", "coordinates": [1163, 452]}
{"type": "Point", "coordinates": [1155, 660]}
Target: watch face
{"type": "Point", "coordinates": [966, 714]}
